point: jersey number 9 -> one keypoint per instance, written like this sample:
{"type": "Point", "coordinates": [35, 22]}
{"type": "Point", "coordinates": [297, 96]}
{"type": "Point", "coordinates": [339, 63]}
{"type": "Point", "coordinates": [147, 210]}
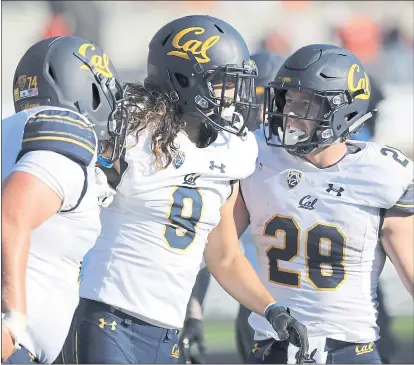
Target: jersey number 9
{"type": "Point", "coordinates": [184, 214]}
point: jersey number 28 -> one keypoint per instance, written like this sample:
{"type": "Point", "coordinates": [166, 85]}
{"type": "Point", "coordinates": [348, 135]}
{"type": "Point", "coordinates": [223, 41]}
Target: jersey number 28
{"type": "Point", "coordinates": [325, 270]}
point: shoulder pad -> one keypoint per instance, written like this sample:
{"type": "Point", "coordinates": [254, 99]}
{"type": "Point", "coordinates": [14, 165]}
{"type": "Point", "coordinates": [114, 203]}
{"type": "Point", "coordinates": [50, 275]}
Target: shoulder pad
{"type": "Point", "coordinates": [61, 131]}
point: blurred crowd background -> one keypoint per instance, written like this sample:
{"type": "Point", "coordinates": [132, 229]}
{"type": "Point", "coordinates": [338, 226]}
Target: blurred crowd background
{"type": "Point", "coordinates": [380, 33]}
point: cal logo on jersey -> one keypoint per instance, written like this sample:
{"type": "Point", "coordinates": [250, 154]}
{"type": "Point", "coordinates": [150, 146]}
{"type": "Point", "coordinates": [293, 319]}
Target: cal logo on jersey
{"type": "Point", "coordinates": [293, 178]}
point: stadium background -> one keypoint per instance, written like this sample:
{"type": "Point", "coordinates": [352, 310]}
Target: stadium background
{"type": "Point", "coordinates": [381, 34]}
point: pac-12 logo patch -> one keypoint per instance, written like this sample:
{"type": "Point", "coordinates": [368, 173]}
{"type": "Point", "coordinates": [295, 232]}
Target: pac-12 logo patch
{"type": "Point", "coordinates": [179, 159]}
{"type": "Point", "coordinates": [293, 178]}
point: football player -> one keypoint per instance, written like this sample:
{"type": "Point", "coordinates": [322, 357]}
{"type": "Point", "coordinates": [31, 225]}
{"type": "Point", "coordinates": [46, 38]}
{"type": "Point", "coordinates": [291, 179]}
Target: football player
{"type": "Point", "coordinates": [192, 334]}
{"type": "Point", "coordinates": [324, 211]}
{"type": "Point", "coordinates": [68, 98]}
{"type": "Point", "coordinates": [176, 183]}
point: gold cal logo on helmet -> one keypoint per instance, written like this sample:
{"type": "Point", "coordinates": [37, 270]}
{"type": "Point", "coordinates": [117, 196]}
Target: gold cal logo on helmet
{"type": "Point", "coordinates": [363, 82]}
{"type": "Point", "coordinates": [101, 63]}
{"type": "Point", "coordinates": [197, 48]}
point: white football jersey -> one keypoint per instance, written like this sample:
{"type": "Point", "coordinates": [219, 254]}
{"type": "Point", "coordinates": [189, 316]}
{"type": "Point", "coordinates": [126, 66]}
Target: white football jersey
{"type": "Point", "coordinates": [316, 232]}
{"type": "Point", "coordinates": [59, 244]}
{"type": "Point", "coordinates": [146, 260]}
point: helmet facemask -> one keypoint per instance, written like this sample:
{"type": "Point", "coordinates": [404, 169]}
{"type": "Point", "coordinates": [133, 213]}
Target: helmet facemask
{"type": "Point", "coordinates": [232, 95]}
{"type": "Point", "coordinates": [225, 96]}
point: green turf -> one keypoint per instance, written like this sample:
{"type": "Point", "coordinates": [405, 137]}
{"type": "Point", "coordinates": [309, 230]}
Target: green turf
{"type": "Point", "coordinates": [221, 335]}
{"type": "Point", "coordinates": [403, 328]}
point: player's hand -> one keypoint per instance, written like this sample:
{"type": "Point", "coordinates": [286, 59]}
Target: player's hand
{"type": "Point", "coordinates": [104, 191]}
{"type": "Point", "coordinates": [7, 346]}
{"type": "Point", "coordinates": [288, 328]}
{"type": "Point", "coordinates": [192, 336]}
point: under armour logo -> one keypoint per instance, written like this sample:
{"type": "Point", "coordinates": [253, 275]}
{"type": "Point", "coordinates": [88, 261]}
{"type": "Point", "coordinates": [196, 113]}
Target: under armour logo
{"type": "Point", "coordinates": [308, 359]}
{"type": "Point", "coordinates": [190, 179]}
{"type": "Point", "coordinates": [221, 167]}
{"type": "Point", "coordinates": [337, 191]}
{"type": "Point", "coordinates": [102, 324]}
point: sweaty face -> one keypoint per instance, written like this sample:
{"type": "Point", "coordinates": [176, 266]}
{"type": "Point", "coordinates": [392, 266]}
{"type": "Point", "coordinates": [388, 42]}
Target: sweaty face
{"type": "Point", "coordinates": [300, 104]}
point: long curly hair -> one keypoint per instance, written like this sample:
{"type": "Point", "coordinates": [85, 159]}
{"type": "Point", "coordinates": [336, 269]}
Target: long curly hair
{"type": "Point", "coordinates": [151, 110]}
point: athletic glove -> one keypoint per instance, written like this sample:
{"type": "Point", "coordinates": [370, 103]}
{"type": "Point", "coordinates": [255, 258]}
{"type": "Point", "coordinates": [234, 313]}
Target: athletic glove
{"type": "Point", "coordinates": [288, 328]}
{"type": "Point", "coordinates": [192, 338]}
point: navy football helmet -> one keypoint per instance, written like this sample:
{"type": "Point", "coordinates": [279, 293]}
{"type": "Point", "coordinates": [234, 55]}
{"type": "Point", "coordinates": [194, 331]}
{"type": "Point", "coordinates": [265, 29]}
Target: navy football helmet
{"type": "Point", "coordinates": [203, 64]}
{"type": "Point", "coordinates": [338, 93]}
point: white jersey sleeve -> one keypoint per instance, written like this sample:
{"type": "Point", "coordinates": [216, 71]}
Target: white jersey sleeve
{"type": "Point", "coordinates": [65, 177]}
{"type": "Point", "coordinates": [390, 174]}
